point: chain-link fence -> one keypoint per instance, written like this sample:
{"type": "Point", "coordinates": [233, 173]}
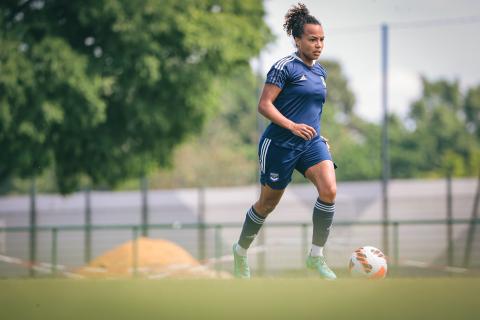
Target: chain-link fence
{"type": "Point", "coordinates": [280, 248]}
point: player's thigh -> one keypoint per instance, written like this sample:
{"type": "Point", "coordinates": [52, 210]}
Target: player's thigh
{"type": "Point", "coordinates": [322, 175]}
{"type": "Point", "coordinates": [316, 165]}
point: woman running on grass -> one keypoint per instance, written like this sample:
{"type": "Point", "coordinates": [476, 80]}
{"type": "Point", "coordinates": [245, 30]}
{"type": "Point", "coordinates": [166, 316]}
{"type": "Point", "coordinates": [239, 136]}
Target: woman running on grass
{"type": "Point", "coordinates": [292, 99]}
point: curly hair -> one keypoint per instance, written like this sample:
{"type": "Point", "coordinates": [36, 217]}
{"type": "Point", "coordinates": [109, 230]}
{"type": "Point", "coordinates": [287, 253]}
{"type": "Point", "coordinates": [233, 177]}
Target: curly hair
{"type": "Point", "coordinates": [296, 17]}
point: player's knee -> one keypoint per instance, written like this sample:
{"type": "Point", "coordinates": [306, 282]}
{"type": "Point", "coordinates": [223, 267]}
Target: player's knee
{"type": "Point", "coordinates": [269, 207]}
{"type": "Point", "coordinates": [328, 193]}
{"type": "Point", "coordinates": [266, 207]}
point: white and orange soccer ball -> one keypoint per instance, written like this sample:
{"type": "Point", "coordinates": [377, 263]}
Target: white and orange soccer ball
{"type": "Point", "coordinates": [368, 262]}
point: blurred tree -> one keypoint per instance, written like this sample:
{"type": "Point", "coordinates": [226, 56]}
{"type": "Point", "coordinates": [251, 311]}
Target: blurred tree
{"type": "Point", "coordinates": [233, 136]}
{"type": "Point", "coordinates": [442, 135]}
{"type": "Point", "coordinates": [472, 110]}
{"type": "Point", "coordinates": [418, 146]}
{"type": "Point", "coordinates": [355, 142]}
{"type": "Point", "coordinates": [106, 89]}
{"type": "Point", "coordinates": [225, 151]}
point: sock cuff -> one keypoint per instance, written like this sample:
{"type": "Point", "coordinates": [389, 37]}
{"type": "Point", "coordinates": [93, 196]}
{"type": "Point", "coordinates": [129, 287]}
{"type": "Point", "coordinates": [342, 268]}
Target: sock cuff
{"type": "Point", "coordinates": [316, 251]}
{"type": "Point", "coordinates": [323, 206]}
{"type": "Point", "coordinates": [254, 216]}
{"type": "Point", "coordinates": [325, 203]}
{"type": "Point", "coordinates": [240, 250]}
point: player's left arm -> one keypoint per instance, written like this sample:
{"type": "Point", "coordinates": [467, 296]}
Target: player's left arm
{"type": "Point", "coordinates": [269, 111]}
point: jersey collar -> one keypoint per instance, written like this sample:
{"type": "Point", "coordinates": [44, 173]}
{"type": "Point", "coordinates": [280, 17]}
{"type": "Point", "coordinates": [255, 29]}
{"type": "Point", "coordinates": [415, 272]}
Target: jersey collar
{"type": "Point", "coordinates": [294, 55]}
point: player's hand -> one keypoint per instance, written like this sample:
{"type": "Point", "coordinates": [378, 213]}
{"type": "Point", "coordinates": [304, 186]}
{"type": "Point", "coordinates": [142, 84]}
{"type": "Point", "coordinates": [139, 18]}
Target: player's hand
{"type": "Point", "coordinates": [303, 131]}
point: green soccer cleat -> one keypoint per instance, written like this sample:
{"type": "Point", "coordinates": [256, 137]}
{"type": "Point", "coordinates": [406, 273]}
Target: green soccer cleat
{"type": "Point", "coordinates": [240, 265]}
{"type": "Point", "coordinates": [320, 265]}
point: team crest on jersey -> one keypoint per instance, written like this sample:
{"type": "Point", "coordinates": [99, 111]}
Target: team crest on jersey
{"type": "Point", "coordinates": [323, 81]}
{"type": "Point", "coordinates": [274, 176]}
{"type": "Point", "coordinates": [303, 78]}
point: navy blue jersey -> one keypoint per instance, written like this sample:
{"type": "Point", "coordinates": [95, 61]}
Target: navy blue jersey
{"type": "Point", "coordinates": [301, 100]}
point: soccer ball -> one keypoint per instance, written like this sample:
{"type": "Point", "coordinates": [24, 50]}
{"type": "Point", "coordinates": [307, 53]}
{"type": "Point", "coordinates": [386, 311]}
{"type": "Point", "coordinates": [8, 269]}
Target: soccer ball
{"type": "Point", "coordinates": [368, 262]}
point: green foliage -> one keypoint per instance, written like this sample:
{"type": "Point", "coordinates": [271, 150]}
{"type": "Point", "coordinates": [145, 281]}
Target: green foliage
{"type": "Point", "coordinates": [232, 137]}
{"type": "Point", "coordinates": [443, 136]}
{"type": "Point", "coordinates": [106, 89]}
{"type": "Point", "coordinates": [354, 142]}
{"type": "Point", "coordinates": [472, 110]}
{"type": "Point", "coordinates": [225, 152]}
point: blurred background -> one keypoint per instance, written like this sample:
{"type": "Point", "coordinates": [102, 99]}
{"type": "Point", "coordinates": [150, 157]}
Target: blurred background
{"type": "Point", "coordinates": [127, 119]}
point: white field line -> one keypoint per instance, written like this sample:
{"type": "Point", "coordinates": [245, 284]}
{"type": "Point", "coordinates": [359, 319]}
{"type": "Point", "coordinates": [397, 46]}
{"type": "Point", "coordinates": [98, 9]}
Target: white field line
{"type": "Point", "coordinates": [39, 266]}
{"type": "Point", "coordinates": [424, 265]}
{"type": "Point", "coordinates": [204, 266]}
{"type": "Point", "coordinates": [177, 267]}
{"type": "Point", "coordinates": [229, 257]}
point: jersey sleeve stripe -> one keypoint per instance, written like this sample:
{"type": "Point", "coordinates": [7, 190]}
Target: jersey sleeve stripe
{"type": "Point", "coordinates": [280, 62]}
{"type": "Point", "coordinates": [275, 76]}
{"type": "Point", "coordinates": [280, 67]}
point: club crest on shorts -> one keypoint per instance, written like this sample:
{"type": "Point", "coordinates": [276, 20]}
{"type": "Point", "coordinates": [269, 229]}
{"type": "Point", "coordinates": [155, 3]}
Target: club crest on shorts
{"type": "Point", "coordinates": [274, 176]}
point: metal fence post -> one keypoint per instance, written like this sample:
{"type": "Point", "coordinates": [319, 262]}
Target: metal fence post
{"type": "Point", "coordinates": [145, 211]}
{"type": "Point", "coordinates": [396, 243]}
{"type": "Point", "coordinates": [261, 256]}
{"type": "Point", "coordinates": [33, 227]}
{"type": "Point", "coordinates": [472, 226]}
{"type": "Point", "coordinates": [201, 224]}
{"type": "Point", "coordinates": [88, 226]}
{"type": "Point", "coordinates": [384, 150]}
{"type": "Point", "coordinates": [218, 247]}
{"type": "Point", "coordinates": [54, 251]}
{"type": "Point", "coordinates": [304, 229]}
{"type": "Point", "coordinates": [449, 219]}
{"type": "Point", "coordinates": [135, 251]}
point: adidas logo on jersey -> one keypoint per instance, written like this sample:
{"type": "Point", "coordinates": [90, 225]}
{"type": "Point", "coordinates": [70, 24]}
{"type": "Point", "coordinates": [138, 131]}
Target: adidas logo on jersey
{"type": "Point", "coordinates": [303, 78]}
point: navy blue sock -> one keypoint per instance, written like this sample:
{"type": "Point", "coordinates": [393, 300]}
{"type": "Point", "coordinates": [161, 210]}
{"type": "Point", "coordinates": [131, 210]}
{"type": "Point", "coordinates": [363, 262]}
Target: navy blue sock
{"type": "Point", "coordinates": [251, 226]}
{"type": "Point", "coordinates": [322, 221]}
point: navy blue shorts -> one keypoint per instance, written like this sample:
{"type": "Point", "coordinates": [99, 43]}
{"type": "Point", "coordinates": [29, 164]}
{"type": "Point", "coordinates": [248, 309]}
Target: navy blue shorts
{"type": "Point", "coordinates": [277, 163]}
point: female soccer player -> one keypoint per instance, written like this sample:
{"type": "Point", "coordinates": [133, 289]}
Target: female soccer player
{"type": "Point", "coordinates": [292, 99]}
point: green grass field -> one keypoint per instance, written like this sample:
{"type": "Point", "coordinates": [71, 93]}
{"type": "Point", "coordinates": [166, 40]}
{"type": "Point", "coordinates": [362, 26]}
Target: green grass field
{"type": "Point", "coordinates": [434, 298]}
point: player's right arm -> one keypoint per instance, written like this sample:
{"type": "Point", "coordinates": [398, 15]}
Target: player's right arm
{"type": "Point", "coordinates": [269, 111]}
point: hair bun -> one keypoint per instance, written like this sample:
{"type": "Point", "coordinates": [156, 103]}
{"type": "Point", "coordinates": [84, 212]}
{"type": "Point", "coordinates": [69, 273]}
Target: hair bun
{"type": "Point", "coordinates": [296, 17]}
